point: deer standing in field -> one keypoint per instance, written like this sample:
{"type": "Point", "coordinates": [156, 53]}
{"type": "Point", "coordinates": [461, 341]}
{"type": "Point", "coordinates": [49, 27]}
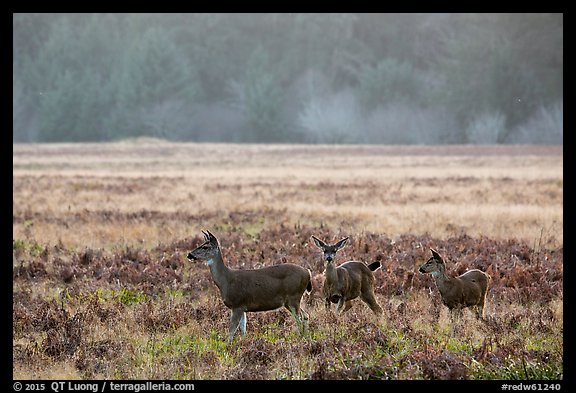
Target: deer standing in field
{"type": "Point", "coordinates": [466, 290]}
{"type": "Point", "coordinates": [253, 290]}
{"type": "Point", "coordinates": [348, 281]}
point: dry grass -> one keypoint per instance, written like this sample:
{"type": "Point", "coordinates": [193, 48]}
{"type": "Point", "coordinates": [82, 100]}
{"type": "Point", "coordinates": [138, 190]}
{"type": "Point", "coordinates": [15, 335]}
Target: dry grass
{"type": "Point", "coordinates": [65, 192]}
{"type": "Point", "coordinates": [102, 287]}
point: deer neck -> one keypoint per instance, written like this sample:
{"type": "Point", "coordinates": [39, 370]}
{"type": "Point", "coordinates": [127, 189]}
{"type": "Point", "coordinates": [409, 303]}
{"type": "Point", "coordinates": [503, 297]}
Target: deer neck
{"type": "Point", "coordinates": [220, 272]}
{"type": "Point", "coordinates": [331, 274]}
{"type": "Point", "coordinates": [441, 279]}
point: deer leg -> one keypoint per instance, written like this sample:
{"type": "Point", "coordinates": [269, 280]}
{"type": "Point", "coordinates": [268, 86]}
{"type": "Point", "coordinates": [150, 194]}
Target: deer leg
{"type": "Point", "coordinates": [305, 318]}
{"type": "Point", "coordinates": [242, 323]}
{"type": "Point", "coordinates": [371, 302]}
{"type": "Point", "coordinates": [481, 307]}
{"type": "Point", "coordinates": [479, 311]}
{"type": "Point", "coordinates": [346, 304]}
{"type": "Point", "coordinates": [237, 316]}
{"type": "Point", "coordinates": [334, 299]}
{"type": "Point", "coordinates": [453, 312]}
{"type": "Point", "coordinates": [300, 316]}
{"type": "Point", "coordinates": [456, 315]}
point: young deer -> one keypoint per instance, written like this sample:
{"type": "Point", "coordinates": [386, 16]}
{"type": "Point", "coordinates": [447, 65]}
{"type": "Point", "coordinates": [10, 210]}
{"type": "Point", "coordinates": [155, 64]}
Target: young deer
{"type": "Point", "coordinates": [466, 290]}
{"type": "Point", "coordinates": [348, 281]}
{"type": "Point", "coordinates": [264, 289]}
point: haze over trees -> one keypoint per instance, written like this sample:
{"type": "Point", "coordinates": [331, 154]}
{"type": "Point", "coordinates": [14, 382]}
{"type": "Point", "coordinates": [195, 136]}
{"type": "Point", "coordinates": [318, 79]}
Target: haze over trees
{"type": "Point", "coordinates": [298, 78]}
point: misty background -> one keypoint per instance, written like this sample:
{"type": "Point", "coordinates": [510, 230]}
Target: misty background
{"type": "Point", "coordinates": [289, 78]}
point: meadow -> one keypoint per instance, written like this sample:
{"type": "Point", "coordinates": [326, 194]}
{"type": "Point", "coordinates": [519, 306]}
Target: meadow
{"type": "Point", "coordinates": [102, 288]}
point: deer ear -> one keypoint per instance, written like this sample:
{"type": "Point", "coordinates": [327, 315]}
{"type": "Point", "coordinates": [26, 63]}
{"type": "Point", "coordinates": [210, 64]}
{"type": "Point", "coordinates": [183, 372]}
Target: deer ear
{"type": "Point", "coordinates": [319, 243]}
{"type": "Point", "coordinates": [436, 255]}
{"type": "Point", "coordinates": [210, 237]}
{"type": "Point", "coordinates": [341, 243]}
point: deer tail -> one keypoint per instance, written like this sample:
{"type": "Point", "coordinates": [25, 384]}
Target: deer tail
{"type": "Point", "coordinates": [374, 266]}
{"type": "Point", "coordinates": [309, 286]}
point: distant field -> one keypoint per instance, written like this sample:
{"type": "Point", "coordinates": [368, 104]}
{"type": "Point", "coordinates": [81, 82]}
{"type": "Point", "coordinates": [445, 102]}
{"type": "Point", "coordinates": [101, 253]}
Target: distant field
{"type": "Point", "coordinates": [495, 191]}
{"type": "Point", "coordinates": [102, 287]}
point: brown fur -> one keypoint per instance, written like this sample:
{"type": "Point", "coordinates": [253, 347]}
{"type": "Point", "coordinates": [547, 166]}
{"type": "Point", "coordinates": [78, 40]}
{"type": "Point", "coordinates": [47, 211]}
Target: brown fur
{"type": "Point", "coordinates": [467, 290]}
{"type": "Point", "coordinates": [254, 290]}
{"type": "Point", "coordinates": [348, 281]}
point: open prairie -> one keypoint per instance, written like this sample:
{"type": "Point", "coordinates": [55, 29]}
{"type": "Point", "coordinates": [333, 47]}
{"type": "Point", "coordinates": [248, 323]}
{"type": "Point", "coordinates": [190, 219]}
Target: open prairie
{"type": "Point", "coordinates": [102, 287]}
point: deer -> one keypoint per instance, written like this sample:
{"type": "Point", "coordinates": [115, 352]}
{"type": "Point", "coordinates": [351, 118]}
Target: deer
{"type": "Point", "coordinates": [253, 290]}
{"type": "Point", "coordinates": [467, 290]}
{"type": "Point", "coordinates": [348, 281]}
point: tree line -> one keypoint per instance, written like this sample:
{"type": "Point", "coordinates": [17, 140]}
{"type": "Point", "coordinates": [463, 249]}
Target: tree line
{"type": "Point", "coordinates": [298, 78]}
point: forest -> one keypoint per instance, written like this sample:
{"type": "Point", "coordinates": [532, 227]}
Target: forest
{"type": "Point", "coordinates": [417, 78]}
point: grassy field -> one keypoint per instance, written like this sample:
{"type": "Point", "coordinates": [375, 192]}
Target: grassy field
{"type": "Point", "coordinates": [102, 288]}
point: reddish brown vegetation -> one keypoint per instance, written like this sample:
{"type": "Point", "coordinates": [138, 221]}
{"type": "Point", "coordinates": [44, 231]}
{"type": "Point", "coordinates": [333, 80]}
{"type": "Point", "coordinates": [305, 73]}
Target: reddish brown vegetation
{"type": "Point", "coordinates": [97, 293]}
{"type": "Point", "coordinates": [519, 272]}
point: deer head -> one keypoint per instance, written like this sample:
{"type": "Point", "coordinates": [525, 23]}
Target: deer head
{"type": "Point", "coordinates": [329, 251]}
{"type": "Point", "coordinates": [207, 251]}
